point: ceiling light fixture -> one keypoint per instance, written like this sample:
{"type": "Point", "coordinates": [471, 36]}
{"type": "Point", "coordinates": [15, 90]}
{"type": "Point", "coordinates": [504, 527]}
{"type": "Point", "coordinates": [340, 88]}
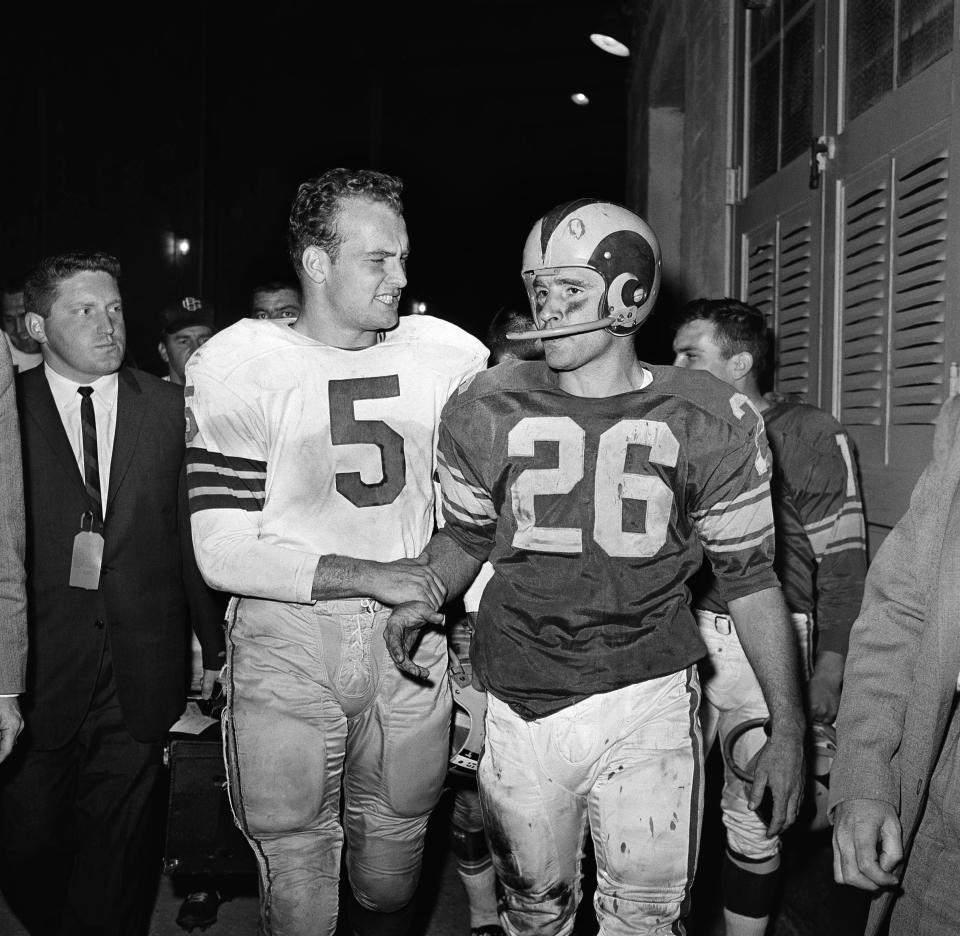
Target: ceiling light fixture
{"type": "Point", "coordinates": [580, 99]}
{"type": "Point", "coordinates": [613, 32]}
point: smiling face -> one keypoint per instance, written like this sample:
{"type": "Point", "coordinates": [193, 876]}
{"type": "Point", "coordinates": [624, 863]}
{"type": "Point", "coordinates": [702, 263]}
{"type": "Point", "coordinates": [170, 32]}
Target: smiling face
{"type": "Point", "coordinates": [83, 336]}
{"type": "Point", "coordinates": [362, 286]}
{"type": "Point", "coordinates": [569, 296]}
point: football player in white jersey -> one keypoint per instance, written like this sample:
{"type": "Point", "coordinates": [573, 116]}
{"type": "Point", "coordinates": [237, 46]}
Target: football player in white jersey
{"type": "Point", "coordinates": [310, 467]}
{"type": "Point", "coordinates": [594, 484]}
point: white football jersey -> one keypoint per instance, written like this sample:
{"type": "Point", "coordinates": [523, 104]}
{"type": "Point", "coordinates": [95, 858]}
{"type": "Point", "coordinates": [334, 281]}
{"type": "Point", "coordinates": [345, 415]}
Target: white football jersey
{"type": "Point", "coordinates": [297, 449]}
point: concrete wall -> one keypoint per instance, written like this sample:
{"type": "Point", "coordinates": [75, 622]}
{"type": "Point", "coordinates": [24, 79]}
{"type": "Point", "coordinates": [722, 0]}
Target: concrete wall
{"type": "Point", "coordinates": [705, 226]}
{"type": "Point", "coordinates": [680, 138]}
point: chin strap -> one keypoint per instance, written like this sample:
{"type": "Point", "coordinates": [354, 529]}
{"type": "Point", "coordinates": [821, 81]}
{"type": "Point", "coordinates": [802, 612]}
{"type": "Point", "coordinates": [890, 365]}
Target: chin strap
{"type": "Point", "coordinates": [543, 334]}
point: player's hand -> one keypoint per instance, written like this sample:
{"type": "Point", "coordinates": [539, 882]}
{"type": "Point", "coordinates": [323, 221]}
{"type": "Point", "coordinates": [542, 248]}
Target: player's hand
{"type": "Point", "coordinates": [823, 690]}
{"type": "Point", "coordinates": [403, 631]}
{"type": "Point", "coordinates": [210, 679]}
{"type": "Point", "coordinates": [11, 724]}
{"type": "Point", "coordinates": [406, 580]}
{"type": "Point", "coordinates": [867, 843]}
{"type": "Point", "coordinates": [779, 768]}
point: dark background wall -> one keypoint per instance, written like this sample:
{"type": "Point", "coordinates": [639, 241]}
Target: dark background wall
{"type": "Point", "coordinates": [125, 134]}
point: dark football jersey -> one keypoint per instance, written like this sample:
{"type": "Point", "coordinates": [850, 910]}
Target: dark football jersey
{"type": "Point", "coordinates": [594, 513]}
{"type": "Point", "coordinates": [821, 556]}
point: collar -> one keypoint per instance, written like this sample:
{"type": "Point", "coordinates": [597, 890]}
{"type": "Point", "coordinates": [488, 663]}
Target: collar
{"type": "Point", "coordinates": [65, 394]}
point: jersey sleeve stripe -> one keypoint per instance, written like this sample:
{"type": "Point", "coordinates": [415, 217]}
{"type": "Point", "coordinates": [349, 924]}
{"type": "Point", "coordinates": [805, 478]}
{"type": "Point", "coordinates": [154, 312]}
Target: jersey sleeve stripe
{"type": "Point", "coordinates": [849, 510]}
{"type": "Point", "coordinates": [848, 527]}
{"type": "Point", "coordinates": [464, 500]}
{"type": "Point", "coordinates": [444, 468]}
{"type": "Point", "coordinates": [739, 544]}
{"type": "Point", "coordinates": [240, 466]}
{"type": "Point", "coordinates": [754, 496]}
{"type": "Point", "coordinates": [221, 482]}
{"type": "Point", "coordinates": [451, 511]}
{"type": "Point", "coordinates": [198, 477]}
{"type": "Point", "coordinates": [844, 545]}
{"type": "Point", "coordinates": [737, 528]}
{"type": "Point", "coordinates": [215, 501]}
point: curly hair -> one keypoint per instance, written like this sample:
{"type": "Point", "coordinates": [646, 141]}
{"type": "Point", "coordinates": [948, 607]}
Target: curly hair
{"type": "Point", "coordinates": [737, 327]}
{"type": "Point", "coordinates": [319, 201]}
{"type": "Point", "coordinates": [42, 284]}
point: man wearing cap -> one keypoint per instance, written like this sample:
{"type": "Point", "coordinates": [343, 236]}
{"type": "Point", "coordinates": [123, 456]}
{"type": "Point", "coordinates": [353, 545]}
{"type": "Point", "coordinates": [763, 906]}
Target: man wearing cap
{"type": "Point", "coordinates": [187, 325]}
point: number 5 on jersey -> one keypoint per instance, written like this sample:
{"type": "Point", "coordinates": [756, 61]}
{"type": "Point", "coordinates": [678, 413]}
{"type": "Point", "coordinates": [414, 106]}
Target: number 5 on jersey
{"type": "Point", "coordinates": [346, 429]}
{"type": "Point", "coordinates": [612, 486]}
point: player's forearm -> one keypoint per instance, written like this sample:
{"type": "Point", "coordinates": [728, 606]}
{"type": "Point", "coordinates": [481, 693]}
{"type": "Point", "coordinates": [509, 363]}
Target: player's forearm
{"type": "Point", "coordinates": [456, 567]}
{"type": "Point", "coordinates": [236, 561]}
{"type": "Point", "coordinates": [768, 639]}
{"type": "Point", "coordinates": [346, 577]}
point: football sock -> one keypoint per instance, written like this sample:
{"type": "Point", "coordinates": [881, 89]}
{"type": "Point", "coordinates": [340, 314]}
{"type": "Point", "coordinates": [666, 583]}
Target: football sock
{"type": "Point", "coordinates": [481, 888]}
{"type": "Point", "coordinates": [750, 888]}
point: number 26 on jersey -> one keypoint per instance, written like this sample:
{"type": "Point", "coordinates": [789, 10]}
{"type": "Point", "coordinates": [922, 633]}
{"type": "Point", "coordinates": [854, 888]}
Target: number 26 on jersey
{"type": "Point", "coordinates": [613, 484]}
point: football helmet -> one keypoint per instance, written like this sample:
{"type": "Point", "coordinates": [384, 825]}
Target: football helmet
{"type": "Point", "coordinates": [822, 749]}
{"type": "Point", "coordinates": [608, 239]}
{"type": "Point", "coordinates": [470, 704]}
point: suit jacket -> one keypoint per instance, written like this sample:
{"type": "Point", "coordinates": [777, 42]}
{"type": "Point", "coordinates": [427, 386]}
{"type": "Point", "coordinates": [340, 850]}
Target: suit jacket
{"type": "Point", "coordinates": [141, 600]}
{"type": "Point", "coordinates": [13, 606]}
{"type": "Point", "coordinates": [904, 658]}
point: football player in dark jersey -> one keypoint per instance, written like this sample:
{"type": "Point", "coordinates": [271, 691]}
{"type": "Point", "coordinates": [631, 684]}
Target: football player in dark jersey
{"type": "Point", "coordinates": [594, 483]}
{"type": "Point", "coordinates": [821, 561]}
{"type": "Point", "coordinates": [474, 863]}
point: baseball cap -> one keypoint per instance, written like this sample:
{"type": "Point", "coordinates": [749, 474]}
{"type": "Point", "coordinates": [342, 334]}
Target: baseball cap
{"type": "Point", "coordinates": [182, 313]}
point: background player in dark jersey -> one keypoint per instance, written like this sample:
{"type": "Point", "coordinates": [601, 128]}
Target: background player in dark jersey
{"type": "Point", "coordinates": [594, 483]}
{"type": "Point", "coordinates": [820, 561]}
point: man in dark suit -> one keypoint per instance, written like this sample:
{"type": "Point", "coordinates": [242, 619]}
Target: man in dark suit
{"type": "Point", "coordinates": [107, 558]}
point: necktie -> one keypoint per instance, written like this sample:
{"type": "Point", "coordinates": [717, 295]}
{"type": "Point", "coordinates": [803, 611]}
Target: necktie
{"type": "Point", "coordinates": [91, 463]}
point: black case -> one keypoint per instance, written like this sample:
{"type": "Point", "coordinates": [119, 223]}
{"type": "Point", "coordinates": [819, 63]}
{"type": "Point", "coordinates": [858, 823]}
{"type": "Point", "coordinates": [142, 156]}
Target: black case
{"type": "Point", "coordinates": [202, 837]}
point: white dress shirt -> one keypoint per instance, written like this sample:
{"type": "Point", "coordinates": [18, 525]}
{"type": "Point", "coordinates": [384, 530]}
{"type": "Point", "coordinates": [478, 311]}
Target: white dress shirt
{"type": "Point", "coordinates": [104, 399]}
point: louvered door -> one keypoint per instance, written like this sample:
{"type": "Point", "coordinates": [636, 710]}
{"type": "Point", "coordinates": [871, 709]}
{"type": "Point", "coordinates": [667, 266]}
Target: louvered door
{"type": "Point", "coordinates": [859, 285]}
{"type": "Point", "coordinates": [780, 278]}
{"type": "Point", "coordinates": [893, 300]}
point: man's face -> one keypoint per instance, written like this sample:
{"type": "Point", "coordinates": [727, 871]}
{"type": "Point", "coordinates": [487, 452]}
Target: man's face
{"type": "Point", "coordinates": [364, 283]}
{"type": "Point", "coordinates": [695, 348]}
{"type": "Point", "coordinates": [83, 337]}
{"type": "Point", "coordinates": [569, 296]}
{"type": "Point", "coordinates": [175, 349]}
{"type": "Point", "coordinates": [15, 325]}
{"type": "Point", "coordinates": [280, 303]}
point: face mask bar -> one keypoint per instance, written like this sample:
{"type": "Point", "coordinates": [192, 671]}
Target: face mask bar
{"type": "Point", "coordinates": [545, 334]}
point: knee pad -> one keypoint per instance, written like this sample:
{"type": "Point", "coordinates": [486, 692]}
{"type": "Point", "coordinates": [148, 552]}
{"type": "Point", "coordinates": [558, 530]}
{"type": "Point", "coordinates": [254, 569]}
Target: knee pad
{"type": "Point", "coordinates": [470, 847]}
{"type": "Point", "coordinates": [467, 814]}
{"type": "Point", "coordinates": [750, 886]}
